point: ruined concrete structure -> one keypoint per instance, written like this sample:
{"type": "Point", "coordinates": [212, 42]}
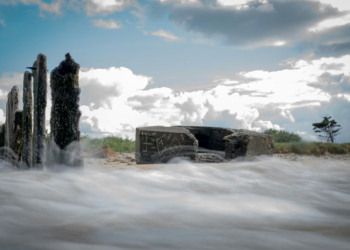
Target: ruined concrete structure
{"type": "Point", "coordinates": [160, 144]}
{"type": "Point", "coordinates": [24, 136]}
{"type": "Point", "coordinates": [65, 113]}
{"type": "Point", "coordinates": [27, 121]}
{"type": "Point", "coordinates": [203, 144]}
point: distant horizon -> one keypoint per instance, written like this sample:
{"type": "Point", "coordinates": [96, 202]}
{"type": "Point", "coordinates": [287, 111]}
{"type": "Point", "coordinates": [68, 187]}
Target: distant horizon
{"type": "Point", "coordinates": [256, 65]}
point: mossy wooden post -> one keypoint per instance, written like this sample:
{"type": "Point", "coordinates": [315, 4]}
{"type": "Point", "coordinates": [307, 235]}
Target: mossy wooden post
{"type": "Point", "coordinates": [16, 143]}
{"type": "Point", "coordinates": [11, 106]}
{"type": "Point", "coordinates": [65, 112]}
{"type": "Point", "coordinates": [40, 90]}
{"type": "Point", "coordinates": [27, 133]}
{"type": "Point", "coordinates": [2, 140]}
{"type": "Point", "coordinates": [2, 135]}
{"type": "Point", "coordinates": [35, 87]}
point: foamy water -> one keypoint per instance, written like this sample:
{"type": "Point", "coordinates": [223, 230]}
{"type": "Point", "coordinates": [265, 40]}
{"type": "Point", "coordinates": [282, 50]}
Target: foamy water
{"type": "Point", "coordinates": [265, 204]}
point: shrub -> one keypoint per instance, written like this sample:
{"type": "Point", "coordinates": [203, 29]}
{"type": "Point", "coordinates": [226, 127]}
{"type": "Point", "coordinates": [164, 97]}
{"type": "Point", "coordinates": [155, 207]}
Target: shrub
{"type": "Point", "coordinates": [115, 144]}
{"type": "Point", "coordinates": [282, 136]}
{"type": "Point", "coordinates": [311, 148]}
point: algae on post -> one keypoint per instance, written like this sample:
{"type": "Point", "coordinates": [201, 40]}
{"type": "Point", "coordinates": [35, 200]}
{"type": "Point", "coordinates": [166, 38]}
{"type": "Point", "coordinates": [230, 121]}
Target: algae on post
{"type": "Point", "coordinates": [65, 113]}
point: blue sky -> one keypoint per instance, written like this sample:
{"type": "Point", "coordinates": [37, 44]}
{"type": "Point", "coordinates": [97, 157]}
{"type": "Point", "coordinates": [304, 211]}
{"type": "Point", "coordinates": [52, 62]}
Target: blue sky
{"type": "Point", "coordinates": [243, 64]}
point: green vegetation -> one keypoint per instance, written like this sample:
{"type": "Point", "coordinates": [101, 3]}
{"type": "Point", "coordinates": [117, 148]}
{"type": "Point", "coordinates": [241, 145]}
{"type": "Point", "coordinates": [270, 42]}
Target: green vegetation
{"type": "Point", "coordinates": [311, 148]}
{"type": "Point", "coordinates": [286, 143]}
{"type": "Point", "coordinates": [328, 129]}
{"type": "Point", "coordinates": [282, 136]}
{"type": "Point", "coordinates": [115, 144]}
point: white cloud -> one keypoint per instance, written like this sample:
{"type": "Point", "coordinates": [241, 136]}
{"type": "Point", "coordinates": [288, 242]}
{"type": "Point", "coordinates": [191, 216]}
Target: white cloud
{"type": "Point", "coordinates": [261, 126]}
{"type": "Point", "coordinates": [105, 7]}
{"type": "Point", "coordinates": [123, 102]}
{"type": "Point", "coordinates": [232, 2]}
{"type": "Point", "coordinates": [330, 23]}
{"type": "Point", "coordinates": [345, 96]}
{"type": "Point", "coordinates": [333, 22]}
{"type": "Point", "coordinates": [115, 101]}
{"type": "Point", "coordinates": [166, 35]}
{"type": "Point", "coordinates": [279, 43]}
{"type": "Point", "coordinates": [340, 4]}
{"type": "Point", "coordinates": [109, 24]}
{"type": "Point", "coordinates": [2, 117]}
{"type": "Point", "coordinates": [2, 22]}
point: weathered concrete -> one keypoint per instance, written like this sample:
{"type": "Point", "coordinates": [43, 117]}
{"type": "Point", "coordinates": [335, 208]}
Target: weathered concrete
{"type": "Point", "coordinates": [160, 144]}
{"type": "Point", "coordinates": [65, 113]}
{"type": "Point", "coordinates": [248, 144]}
{"type": "Point", "coordinates": [203, 144]}
{"type": "Point", "coordinates": [11, 107]}
{"type": "Point", "coordinates": [40, 91]}
{"type": "Point", "coordinates": [27, 133]}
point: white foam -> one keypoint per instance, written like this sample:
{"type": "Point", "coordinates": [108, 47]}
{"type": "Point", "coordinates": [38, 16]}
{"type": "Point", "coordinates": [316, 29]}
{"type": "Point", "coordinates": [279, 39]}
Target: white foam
{"type": "Point", "coordinates": [265, 204]}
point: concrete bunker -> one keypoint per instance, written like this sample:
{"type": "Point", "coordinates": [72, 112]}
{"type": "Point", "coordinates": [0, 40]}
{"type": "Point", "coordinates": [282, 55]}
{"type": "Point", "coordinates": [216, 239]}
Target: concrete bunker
{"type": "Point", "coordinates": [200, 144]}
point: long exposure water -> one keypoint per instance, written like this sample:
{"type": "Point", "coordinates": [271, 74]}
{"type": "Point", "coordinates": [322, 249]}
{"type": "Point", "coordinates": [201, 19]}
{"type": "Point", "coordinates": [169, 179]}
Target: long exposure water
{"type": "Point", "coordinates": [265, 204]}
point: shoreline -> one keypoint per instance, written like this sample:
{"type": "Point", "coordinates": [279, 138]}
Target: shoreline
{"type": "Point", "coordinates": [127, 160]}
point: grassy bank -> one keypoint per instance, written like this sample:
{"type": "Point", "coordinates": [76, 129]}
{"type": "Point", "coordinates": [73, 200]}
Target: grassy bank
{"type": "Point", "coordinates": [311, 148]}
{"type": "Point", "coordinates": [116, 144]}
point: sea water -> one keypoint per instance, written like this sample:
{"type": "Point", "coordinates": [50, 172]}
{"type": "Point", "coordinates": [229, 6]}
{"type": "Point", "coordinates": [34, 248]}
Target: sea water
{"type": "Point", "coordinates": [263, 204]}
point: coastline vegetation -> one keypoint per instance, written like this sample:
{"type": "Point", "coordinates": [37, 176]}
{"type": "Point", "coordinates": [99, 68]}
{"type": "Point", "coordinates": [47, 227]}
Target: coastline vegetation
{"type": "Point", "coordinates": [311, 148]}
{"type": "Point", "coordinates": [120, 145]}
{"type": "Point", "coordinates": [282, 136]}
{"type": "Point", "coordinates": [113, 143]}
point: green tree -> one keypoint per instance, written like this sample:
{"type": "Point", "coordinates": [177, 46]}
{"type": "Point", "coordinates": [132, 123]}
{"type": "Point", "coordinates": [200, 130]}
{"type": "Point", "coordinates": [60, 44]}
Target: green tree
{"type": "Point", "coordinates": [329, 129]}
{"type": "Point", "coordinates": [282, 136]}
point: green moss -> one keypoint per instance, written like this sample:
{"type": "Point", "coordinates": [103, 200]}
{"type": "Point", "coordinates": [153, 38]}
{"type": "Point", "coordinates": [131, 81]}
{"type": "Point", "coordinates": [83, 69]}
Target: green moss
{"type": "Point", "coordinates": [65, 112]}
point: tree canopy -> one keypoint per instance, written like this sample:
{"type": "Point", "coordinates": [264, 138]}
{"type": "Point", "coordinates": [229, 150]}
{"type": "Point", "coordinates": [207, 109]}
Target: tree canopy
{"type": "Point", "coordinates": [328, 129]}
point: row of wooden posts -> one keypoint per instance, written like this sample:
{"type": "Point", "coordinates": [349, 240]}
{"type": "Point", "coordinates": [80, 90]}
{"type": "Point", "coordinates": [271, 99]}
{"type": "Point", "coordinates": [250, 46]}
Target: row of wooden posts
{"type": "Point", "coordinates": [23, 138]}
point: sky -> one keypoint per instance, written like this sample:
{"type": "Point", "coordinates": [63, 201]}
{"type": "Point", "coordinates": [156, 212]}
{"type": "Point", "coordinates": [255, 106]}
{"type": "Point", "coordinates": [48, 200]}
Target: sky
{"type": "Point", "coordinates": [261, 64]}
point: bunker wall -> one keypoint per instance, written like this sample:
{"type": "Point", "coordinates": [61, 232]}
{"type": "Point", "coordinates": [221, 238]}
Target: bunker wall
{"type": "Point", "coordinates": [160, 144]}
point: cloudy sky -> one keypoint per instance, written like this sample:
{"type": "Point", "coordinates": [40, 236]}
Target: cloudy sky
{"type": "Point", "coordinates": [258, 64]}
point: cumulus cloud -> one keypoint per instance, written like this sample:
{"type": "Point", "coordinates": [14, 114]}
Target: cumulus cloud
{"type": "Point", "coordinates": [7, 81]}
{"type": "Point", "coordinates": [100, 86]}
{"type": "Point", "coordinates": [166, 35]}
{"type": "Point", "coordinates": [265, 100]}
{"type": "Point", "coordinates": [115, 101]}
{"type": "Point", "coordinates": [108, 24]}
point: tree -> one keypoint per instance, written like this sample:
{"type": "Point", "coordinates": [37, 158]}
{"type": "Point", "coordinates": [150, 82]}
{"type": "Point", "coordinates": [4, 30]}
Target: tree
{"type": "Point", "coordinates": [282, 136]}
{"type": "Point", "coordinates": [329, 129]}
